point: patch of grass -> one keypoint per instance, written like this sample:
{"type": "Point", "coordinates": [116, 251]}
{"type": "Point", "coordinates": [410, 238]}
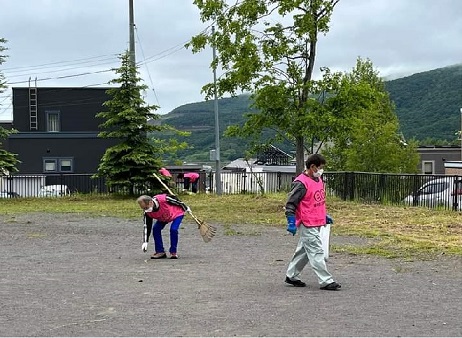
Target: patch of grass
{"type": "Point", "coordinates": [404, 232]}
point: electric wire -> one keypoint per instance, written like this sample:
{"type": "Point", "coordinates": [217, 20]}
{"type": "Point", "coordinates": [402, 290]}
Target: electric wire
{"type": "Point", "coordinates": [146, 66]}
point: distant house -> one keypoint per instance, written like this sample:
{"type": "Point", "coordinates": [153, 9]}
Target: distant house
{"type": "Point", "coordinates": [433, 158]}
{"type": "Point", "coordinates": [453, 168]}
{"type": "Point", "coordinates": [271, 159]}
{"type": "Point", "coordinates": [57, 130]}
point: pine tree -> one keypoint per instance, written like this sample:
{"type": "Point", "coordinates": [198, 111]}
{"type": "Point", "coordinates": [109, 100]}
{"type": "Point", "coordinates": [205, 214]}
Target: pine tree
{"type": "Point", "coordinates": [8, 161]}
{"type": "Point", "coordinates": [128, 165]}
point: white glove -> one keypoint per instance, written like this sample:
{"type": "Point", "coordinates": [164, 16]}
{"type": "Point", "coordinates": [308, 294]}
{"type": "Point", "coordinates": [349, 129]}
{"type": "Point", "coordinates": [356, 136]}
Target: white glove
{"type": "Point", "coordinates": [144, 247]}
{"type": "Point", "coordinates": [188, 209]}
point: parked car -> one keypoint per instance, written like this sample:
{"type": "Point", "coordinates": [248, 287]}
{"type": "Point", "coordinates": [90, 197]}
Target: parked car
{"type": "Point", "coordinates": [9, 194]}
{"type": "Point", "coordinates": [443, 192]}
{"type": "Point", "coordinates": [56, 190]}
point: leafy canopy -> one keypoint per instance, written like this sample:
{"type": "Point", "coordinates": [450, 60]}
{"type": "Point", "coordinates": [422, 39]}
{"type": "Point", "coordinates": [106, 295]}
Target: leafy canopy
{"type": "Point", "coordinates": [370, 140]}
{"type": "Point", "coordinates": [268, 48]}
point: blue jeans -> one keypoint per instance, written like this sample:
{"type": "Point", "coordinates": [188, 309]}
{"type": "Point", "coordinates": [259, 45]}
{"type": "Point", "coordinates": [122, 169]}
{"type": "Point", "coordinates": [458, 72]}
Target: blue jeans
{"type": "Point", "coordinates": [157, 234]}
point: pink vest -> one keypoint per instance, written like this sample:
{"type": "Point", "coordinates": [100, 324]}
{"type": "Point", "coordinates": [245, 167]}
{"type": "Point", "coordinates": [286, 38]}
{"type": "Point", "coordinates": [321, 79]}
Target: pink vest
{"type": "Point", "coordinates": [165, 172]}
{"type": "Point", "coordinates": [167, 212]}
{"type": "Point", "coordinates": [311, 212]}
{"type": "Point", "coordinates": [192, 176]}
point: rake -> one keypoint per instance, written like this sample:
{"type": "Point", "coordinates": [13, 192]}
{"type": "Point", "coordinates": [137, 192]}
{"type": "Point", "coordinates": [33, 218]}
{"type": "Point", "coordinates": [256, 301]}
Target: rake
{"type": "Point", "coordinates": [207, 231]}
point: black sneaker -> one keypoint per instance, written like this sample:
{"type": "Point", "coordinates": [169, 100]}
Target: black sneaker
{"type": "Point", "coordinates": [296, 282]}
{"type": "Point", "coordinates": [332, 286]}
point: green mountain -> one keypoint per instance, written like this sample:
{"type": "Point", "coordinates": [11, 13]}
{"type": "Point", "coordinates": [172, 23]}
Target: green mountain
{"type": "Point", "coordinates": [427, 105]}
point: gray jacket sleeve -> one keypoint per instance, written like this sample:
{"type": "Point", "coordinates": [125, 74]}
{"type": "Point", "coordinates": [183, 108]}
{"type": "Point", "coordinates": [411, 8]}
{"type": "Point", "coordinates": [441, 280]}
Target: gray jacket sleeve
{"type": "Point", "coordinates": [297, 192]}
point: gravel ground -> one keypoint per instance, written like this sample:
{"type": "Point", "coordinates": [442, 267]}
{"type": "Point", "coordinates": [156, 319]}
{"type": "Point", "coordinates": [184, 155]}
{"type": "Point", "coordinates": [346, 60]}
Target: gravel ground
{"type": "Point", "coordinates": [72, 275]}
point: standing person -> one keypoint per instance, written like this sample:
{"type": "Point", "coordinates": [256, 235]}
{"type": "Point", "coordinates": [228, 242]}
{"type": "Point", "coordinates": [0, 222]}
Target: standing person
{"type": "Point", "coordinates": [190, 178]}
{"type": "Point", "coordinates": [306, 211]}
{"type": "Point", "coordinates": [167, 178]}
{"type": "Point", "coordinates": [164, 209]}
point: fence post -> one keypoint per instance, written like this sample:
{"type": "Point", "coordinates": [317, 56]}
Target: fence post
{"type": "Point", "coordinates": [352, 186]}
{"type": "Point", "coordinates": [455, 198]}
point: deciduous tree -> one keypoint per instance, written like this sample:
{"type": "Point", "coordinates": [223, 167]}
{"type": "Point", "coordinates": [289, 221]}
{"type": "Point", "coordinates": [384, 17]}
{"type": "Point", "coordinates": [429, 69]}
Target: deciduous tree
{"type": "Point", "coordinates": [268, 48]}
{"type": "Point", "coordinates": [370, 139]}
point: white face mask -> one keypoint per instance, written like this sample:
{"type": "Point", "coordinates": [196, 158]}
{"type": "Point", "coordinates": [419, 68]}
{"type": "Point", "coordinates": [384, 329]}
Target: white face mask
{"type": "Point", "coordinates": [156, 204]}
{"type": "Point", "coordinates": [318, 173]}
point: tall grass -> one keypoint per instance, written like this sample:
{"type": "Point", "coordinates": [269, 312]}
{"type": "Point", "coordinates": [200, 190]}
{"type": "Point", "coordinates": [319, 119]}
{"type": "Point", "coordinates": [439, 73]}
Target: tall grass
{"type": "Point", "coordinates": [395, 231]}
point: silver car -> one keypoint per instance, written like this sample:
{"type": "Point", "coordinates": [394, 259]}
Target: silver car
{"type": "Point", "coordinates": [441, 192]}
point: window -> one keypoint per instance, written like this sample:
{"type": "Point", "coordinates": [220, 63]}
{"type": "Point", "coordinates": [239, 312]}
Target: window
{"type": "Point", "coordinates": [65, 165]}
{"type": "Point", "coordinates": [53, 123]}
{"type": "Point", "coordinates": [49, 165]}
{"type": "Point", "coordinates": [58, 165]}
{"type": "Point", "coordinates": [428, 167]}
{"type": "Point", "coordinates": [435, 188]}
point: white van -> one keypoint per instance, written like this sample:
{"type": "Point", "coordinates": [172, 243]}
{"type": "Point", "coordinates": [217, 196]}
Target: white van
{"type": "Point", "coordinates": [438, 192]}
{"type": "Point", "coordinates": [56, 190]}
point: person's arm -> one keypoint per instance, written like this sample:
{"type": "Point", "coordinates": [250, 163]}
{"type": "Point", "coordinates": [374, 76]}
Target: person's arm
{"type": "Point", "coordinates": [296, 194]}
{"type": "Point", "coordinates": [172, 199]}
{"type": "Point", "coordinates": [148, 227]}
{"type": "Point", "coordinates": [146, 231]}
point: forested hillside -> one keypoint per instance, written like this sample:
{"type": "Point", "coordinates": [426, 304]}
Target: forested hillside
{"type": "Point", "coordinates": [427, 105]}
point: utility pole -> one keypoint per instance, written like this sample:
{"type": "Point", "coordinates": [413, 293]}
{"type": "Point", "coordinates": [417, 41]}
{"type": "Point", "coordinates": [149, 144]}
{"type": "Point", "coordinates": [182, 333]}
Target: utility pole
{"type": "Point", "coordinates": [132, 33]}
{"type": "Point", "coordinates": [460, 135]}
{"type": "Point", "coordinates": [217, 126]}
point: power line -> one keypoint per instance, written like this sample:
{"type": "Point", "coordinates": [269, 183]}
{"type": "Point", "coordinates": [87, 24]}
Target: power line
{"type": "Point", "coordinates": [64, 77]}
{"type": "Point", "coordinates": [87, 65]}
{"type": "Point", "coordinates": [60, 62]}
{"type": "Point", "coordinates": [147, 68]}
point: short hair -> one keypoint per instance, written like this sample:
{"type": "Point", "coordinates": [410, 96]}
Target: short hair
{"type": "Point", "coordinates": [144, 198]}
{"type": "Point", "coordinates": [315, 159]}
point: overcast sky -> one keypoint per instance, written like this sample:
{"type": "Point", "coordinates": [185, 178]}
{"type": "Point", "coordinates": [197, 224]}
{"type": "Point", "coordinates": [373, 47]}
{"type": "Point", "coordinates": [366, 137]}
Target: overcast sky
{"type": "Point", "coordinates": [49, 39]}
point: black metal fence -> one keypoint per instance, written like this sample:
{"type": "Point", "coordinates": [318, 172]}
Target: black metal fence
{"type": "Point", "coordinates": [398, 189]}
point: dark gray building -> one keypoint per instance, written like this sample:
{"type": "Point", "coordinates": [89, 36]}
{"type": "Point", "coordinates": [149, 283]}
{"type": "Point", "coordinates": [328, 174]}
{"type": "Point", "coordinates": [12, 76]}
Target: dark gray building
{"type": "Point", "coordinates": [57, 130]}
{"type": "Point", "coordinates": [433, 158]}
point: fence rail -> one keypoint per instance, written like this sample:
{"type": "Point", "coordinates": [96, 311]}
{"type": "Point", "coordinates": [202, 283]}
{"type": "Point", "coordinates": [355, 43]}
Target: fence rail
{"type": "Point", "coordinates": [435, 191]}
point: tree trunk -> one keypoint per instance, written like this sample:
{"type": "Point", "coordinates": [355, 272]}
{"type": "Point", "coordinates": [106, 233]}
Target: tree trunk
{"type": "Point", "coordinates": [300, 155]}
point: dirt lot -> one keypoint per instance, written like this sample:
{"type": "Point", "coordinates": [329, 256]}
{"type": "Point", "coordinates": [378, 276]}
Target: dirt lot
{"type": "Point", "coordinates": [68, 275]}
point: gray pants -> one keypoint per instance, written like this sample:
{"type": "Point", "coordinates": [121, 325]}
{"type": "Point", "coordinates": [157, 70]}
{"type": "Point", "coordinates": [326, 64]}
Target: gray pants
{"type": "Point", "coordinates": [309, 249]}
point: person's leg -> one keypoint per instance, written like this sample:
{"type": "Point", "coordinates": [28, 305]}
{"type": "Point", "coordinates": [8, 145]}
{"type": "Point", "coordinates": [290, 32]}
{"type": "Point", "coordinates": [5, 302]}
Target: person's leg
{"type": "Point", "coordinates": [297, 263]}
{"type": "Point", "coordinates": [174, 230]}
{"type": "Point", "coordinates": [194, 186]}
{"type": "Point", "coordinates": [157, 236]}
{"type": "Point", "coordinates": [186, 183]}
{"type": "Point", "coordinates": [313, 246]}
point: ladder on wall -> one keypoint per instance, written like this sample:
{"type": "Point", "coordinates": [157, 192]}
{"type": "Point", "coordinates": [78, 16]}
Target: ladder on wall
{"type": "Point", "coordinates": [33, 106]}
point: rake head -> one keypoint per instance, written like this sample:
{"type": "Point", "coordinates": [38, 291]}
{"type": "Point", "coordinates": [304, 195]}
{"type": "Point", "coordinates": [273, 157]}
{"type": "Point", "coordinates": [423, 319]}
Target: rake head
{"type": "Point", "coordinates": [207, 231]}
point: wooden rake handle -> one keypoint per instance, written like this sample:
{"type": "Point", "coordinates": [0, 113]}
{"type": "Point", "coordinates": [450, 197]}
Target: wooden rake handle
{"type": "Point", "coordinates": [163, 184]}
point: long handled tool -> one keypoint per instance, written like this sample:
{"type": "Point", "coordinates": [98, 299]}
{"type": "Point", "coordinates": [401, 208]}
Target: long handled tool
{"type": "Point", "coordinates": [207, 231]}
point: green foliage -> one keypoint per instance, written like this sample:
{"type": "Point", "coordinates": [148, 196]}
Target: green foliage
{"type": "Point", "coordinates": [270, 57]}
{"type": "Point", "coordinates": [428, 103]}
{"type": "Point", "coordinates": [197, 120]}
{"type": "Point", "coordinates": [369, 139]}
{"type": "Point", "coordinates": [8, 161]}
{"type": "Point", "coordinates": [130, 163]}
